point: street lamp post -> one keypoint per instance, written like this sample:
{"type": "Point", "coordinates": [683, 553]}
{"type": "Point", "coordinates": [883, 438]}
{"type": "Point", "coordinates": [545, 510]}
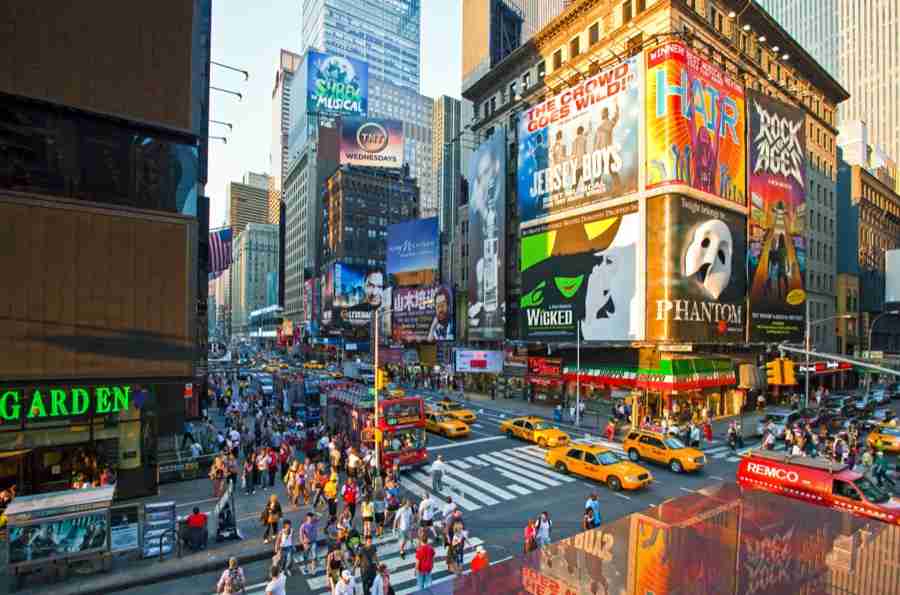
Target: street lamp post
{"type": "Point", "coordinates": [808, 344]}
{"type": "Point", "coordinates": [578, 374]}
{"type": "Point", "coordinates": [869, 341]}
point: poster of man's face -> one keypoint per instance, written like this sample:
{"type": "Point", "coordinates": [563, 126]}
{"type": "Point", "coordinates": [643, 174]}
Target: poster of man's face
{"type": "Point", "coordinates": [374, 288]}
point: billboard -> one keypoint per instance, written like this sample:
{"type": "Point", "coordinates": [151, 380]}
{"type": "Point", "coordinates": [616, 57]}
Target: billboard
{"type": "Point", "coordinates": [584, 271]}
{"type": "Point", "coordinates": [422, 314]}
{"type": "Point", "coordinates": [696, 277]}
{"type": "Point", "coordinates": [371, 142]}
{"type": "Point", "coordinates": [487, 245]}
{"type": "Point", "coordinates": [777, 241]}
{"type": "Point", "coordinates": [354, 293]}
{"type": "Point", "coordinates": [413, 252]}
{"type": "Point", "coordinates": [695, 124]}
{"type": "Point", "coordinates": [472, 360]}
{"type": "Point", "coordinates": [336, 85]}
{"type": "Point", "coordinates": [581, 145]}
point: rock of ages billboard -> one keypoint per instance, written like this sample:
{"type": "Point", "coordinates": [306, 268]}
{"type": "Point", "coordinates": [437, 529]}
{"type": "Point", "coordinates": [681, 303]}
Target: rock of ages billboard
{"type": "Point", "coordinates": [695, 124]}
{"type": "Point", "coordinates": [487, 246]}
{"type": "Point", "coordinates": [422, 314]}
{"type": "Point", "coordinates": [696, 276]}
{"type": "Point", "coordinates": [582, 144]}
{"type": "Point", "coordinates": [777, 251]}
{"type": "Point", "coordinates": [582, 269]}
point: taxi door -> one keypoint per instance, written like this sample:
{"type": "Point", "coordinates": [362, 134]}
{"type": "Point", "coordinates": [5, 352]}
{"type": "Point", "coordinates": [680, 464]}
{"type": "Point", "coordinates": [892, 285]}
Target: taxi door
{"type": "Point", "coordinates": [654, 449]}
{"type": "Point", "coordinates": [592, 467]}
{"type": "Point", "coordinates": [517, 429]}
{"type": "Point", "coordinates": [528, 431]}
{"type": "Point", "coordinates": [573, 460]}
{"type": "Point", "coordinates": [431, 422]}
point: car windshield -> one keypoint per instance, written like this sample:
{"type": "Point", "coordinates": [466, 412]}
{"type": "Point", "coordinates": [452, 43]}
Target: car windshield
{"type": "Point", "coordinates": [541, 425]}
{"type": "Point", "coordinates": [674, 443]}
{"type": "Point", "coordinates": [607, 458]}
{"type": "Point", "coordinates": [890, 431]}
{"type": "Point", "coordinates": [452, 406]}
{"type": "Point", "coordinates": [871, 491]}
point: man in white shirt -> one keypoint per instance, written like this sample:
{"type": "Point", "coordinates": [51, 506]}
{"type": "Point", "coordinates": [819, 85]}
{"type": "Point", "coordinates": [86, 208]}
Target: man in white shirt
{"type": "Point", "coordinates": [196, 450]}
{"type": "Point", "coordinates": [426, 511]}
{"type": "Point", "coordinates": [437, 475]}
{"type": "Point", "coordinates": [543, 529]}
{"type": "Point", "coordinates": [277, 584]}
{"type": "Point", "coordinates": [345, 585]}
{"type": "Point", "coordinates": [403, 526]}
{"type": "Point", "coordinates": [235, 436]}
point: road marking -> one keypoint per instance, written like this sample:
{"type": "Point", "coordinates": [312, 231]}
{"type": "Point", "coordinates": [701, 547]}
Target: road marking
{"type": "Point", "coordinates": [458, 497]}
{"type": "Point", "coordinates": [479, 426]}
{"type": "Point", "coordinates": [460, 464]}
{"type": "Point", "coordinates": [717, 478]}
{"type": "Point", "coordinates": [689, 490]}
{"type": "Point", "coordinates": [463, 488]}
{"type": "Point", "coordinates": [519, 489]}
{"type": "Point", "coordinates": [466, 443]}
{"type": "Point", "coordinates": [474, 461]}
{"type": "Point", "coordinates": [538, 466]}
{"type": "Point", "coordinates": [519, 471]}
{"type": "Point", "coordinates": [621, 495]}
{"type": "Point", "coordinates": [483, 485]}
{"type": "Point", "coordinates": [734, 459]}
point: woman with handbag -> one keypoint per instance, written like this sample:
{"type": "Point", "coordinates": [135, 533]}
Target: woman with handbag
{"type": "Point", "coordinates": [270, 517]}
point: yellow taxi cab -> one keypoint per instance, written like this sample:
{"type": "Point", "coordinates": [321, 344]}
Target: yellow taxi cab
{"type": "Point", "coordinates": [455, 410]}
{"type": "Point", "coordinates": [440, 423]}
{"type": "Point", "coordinates": [283, 366]}
{"type": "Point", "coordinates": [600, 464]}
{"type": "Point", "coordinates": [666, 450]}
{"type": "Point", "coordinates": [534, 429]}
{"type": "Point", "coordinates": [885, 437]}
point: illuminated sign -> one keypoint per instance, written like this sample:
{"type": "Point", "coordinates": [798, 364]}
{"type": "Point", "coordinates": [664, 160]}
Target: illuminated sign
{"type": "Point", "coordinates": [16, 404]}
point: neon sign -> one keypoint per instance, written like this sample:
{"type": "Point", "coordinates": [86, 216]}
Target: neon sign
{"type": "Point", "coordinates": [16, 404]}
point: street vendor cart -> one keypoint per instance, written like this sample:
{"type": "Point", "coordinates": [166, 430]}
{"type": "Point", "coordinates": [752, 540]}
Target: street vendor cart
{"type": "Point", "coordinates": [58, 532]}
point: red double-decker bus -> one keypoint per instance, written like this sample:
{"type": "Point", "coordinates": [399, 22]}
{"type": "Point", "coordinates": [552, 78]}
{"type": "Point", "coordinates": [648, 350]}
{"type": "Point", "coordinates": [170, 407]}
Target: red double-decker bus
{"type": "Point", "coordinates": [401, 423]}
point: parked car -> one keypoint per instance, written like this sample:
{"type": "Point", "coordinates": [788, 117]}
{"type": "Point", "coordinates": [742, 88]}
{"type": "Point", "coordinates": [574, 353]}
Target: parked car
{"type": "Point", "coordinates": [840, 405]}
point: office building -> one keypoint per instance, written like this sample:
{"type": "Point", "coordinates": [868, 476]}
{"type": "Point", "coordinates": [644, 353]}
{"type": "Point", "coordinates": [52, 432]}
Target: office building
{"type": "Point", "coordinates": [105, 237]}
{"type": "Point", "coordinates": [254, 258]}
{"type": "Point", "coordinates": [281, 119]}
{"type": "Point", "coordinates": [451, 148]}
{"type": "Point", "coordinates": [248, 202]}
{"type": "Point", "coordinates": [857, 41]}
{"type": "Point", "coordinates": [384, 33]}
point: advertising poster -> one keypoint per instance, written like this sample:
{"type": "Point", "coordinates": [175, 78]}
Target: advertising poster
{"type": "Point", "coordinates": [487, 246]}
{"type": "Point", "coordinates": [413, 252]}
{"type": "Point", "coordinates": [422, 314]}
{"type": "Point", "coordinates": [356, 292]}
{"type": "Point", "coordinates": [327, 297]}
{"type": "Point", "coordinates": [695, 124]}
{"type": "Point", "coordinates": [50, 539]}
{"type": "Point", "coordinates": [473, 360]}
{"type": "Point", "coordinates": [777, 242]}
{"type": "Point", "coordinates": [696, 274]}
{"type": "Point", "coordinates": [336, 85]}
{"type": "Point", "coordinates": [581, 145]}
{"type": "Point", "coordinates": [371, 142]}
{"type": "Point", "coordinates": [582, 270]}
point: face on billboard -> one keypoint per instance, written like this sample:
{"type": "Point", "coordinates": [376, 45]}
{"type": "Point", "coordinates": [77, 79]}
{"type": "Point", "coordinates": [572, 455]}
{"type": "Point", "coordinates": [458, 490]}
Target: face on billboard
{"type": "Point", "coordinates": [695, 124]}
{"type": "Point", "coordinates": [422, 314]}
{"type": "Point", "coordinates": [487, 223]}
{"type": "Point", "coordinates": [582, 270]}
{"type": "Point", "coordinates": [337, 85]}
{"type": "Point", "coordinates": [777, 250]}
{"type": "Point", "coordinates": [582, 144]}
{"type": "Point", "coordinates": [696, 280]}
{"type": "Point", "coordinates": [371, 142]}
{"type": "Point", "coordinates": [413, 252]}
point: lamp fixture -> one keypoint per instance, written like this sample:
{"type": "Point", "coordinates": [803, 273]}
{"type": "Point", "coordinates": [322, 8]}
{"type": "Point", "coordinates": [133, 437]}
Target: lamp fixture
{"type": "Point", "coordinates": [761, 39]}
{"type": "Point", "coordinates": [746, 27]}
{"type": "Point", "coordinates": [785, 56]}
{"type": "Point", "coordinates": [732, 14]}
{"type": "Point", "coordinates": [775, 48]}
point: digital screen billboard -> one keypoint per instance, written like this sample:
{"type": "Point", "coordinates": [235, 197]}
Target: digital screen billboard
{"type": "Point", "coordinates": [336, 85]}
{"type": "Point", "coordinates": [487, 245]}
{"type": "Point", "coordinates": [371, 142]}
{"type": "Point", "coordinates": [356, 292]}
{"type": "Point", "coordinates": [583, 269]}
{"type": "Point", "coordinates": [413, 252]}
{"type": "Point", "coordinates": [472, 360]}
{"type": "Point", "coordinates": [695, 124]}
{"type": "Point", "coordinates": [696, 273]}
{"type": "Point", "coordinates": [422, 314]}
{"type": "Point", "coordinates": [777, 241]}
{"type": "Point", "coordinates": [581, 145]}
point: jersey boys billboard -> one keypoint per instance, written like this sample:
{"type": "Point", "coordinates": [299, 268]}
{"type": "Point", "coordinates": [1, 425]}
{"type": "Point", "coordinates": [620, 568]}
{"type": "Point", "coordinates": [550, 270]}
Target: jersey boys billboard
{"type": "Point", "coordinates": [371, 142]}
{"type": "Point", "coordinates": [696, 274]}
{"type": "Point", "coordinates": [413, 252]}
{"type": "Point", "coordinates": [695, 124]}
{"type": "Point", "coordinates": [582, 269]}
{"type": "Point", "coordinates": [582, 144]}
{"type": "Point", "coordinates": [422, 314]}
{"type": "Point", "coordinates": [487, 246]}
{"type": "Point", "coordinates": [777, 252]}
{"type": "Point", "coordinates": [336, 85]}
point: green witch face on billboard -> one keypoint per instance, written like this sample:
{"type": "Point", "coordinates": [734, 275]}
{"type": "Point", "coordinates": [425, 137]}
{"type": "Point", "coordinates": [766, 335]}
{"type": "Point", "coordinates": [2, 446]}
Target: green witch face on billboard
{"type": "Point", "coordinates": [582, 270]}
{"type": "Point", "coordinates": [336, 85]}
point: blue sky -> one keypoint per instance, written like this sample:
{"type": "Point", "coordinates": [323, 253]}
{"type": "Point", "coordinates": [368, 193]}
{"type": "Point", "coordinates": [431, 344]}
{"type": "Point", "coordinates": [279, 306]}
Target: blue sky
{"type": "Point", "coordinates": [250, 36]}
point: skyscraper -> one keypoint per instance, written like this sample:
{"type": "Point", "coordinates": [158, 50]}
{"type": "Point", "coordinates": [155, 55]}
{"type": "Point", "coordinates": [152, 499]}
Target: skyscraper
{"type": "Point", "coordinates": [247, 202]}
{"type": "Point", "coordinates": [281, 120]}
{"type": "Point", "coordinates": [857, 42]}
{"type": "Point", "coordinates": [384, 33]}
{"type": "Point", "coordinates": [450, 150]}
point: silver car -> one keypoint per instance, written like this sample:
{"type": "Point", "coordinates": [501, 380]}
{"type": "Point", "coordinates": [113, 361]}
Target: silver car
{"type": "Point", "coordinates": [780, 419]}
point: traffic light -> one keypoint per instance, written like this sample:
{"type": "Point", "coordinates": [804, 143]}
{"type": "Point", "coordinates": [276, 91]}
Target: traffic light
{"type": "Point", "coordinates": [789, 377]}
{"type": "Point", "coordinates": [380, 379]}
{"type": "Point", "coordinates": [773, 373]}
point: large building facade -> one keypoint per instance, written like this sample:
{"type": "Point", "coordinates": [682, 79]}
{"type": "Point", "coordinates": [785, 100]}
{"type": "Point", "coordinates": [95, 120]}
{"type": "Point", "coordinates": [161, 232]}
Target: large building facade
{"type": "Point", "coordinates": [281, 121]}
{"type": "Point", "coordinates": [254, 259]}
{"type": "Point", "coordinates": [248, 202]}
{"type": "Point", "coordinates": [450, 150]}
{"type": "Point", "coordinates": [558, 111]}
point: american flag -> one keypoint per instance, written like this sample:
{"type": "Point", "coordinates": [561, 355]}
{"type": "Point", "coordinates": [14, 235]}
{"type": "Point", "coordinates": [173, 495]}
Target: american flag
{"type": "Point", "coordinates": [219, 250]}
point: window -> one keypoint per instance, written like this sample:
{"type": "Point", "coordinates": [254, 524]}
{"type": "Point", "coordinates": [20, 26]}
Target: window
{"type": "Point", "coordinates": [542, 68]}
{"type": "Point", "coordinates": [557, 59]}
{"type": "Point", "coordinates": [590, 459]}
{"type": "Point", "coordinates": [512, 91]}
{"type": "Point", "coordinates": [574, 453]}
{"type": "Point", "coordinates": [594, 34]}
{"type": "Point", "coordinates": [493, 104]}
{"type": "Point", "coordinates": [626, 12]}
{"type": "Point", "coordinates": [526, 80]}
{"type": "Point", "coordinates": [574, 47]}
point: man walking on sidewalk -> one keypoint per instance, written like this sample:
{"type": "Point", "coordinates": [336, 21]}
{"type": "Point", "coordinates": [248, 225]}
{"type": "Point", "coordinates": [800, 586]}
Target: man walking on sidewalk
{"type": "Point", "coordinates": [437, 475]}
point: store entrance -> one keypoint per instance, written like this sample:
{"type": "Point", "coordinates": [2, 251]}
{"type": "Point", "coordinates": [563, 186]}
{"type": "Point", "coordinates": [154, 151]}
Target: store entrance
{"type": "Point", "coordinates": [56, 468]}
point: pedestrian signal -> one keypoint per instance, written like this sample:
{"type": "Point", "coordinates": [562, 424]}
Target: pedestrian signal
{"type": "Point", "coordinates": [789, 376]}
{"type": "Point", "coordinates": [773, 373]}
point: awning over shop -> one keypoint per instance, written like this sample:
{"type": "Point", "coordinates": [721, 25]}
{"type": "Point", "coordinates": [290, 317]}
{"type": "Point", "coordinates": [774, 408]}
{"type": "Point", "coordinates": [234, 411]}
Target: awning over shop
{"type": "Point", "coordinates": [671, 375]}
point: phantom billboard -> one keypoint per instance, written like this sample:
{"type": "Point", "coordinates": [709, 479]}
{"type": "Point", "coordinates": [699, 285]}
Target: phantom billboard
{"type": "Point", "coordinates": [581, 145]}
{"type": "Point", "coordinates": [413, 252]}
{"type": "Point", "coordinates": [422, 314]}
{"type": "Point", "coordinates": [371, 142]}
{"type": "Point", "coordinates": [336, 85]}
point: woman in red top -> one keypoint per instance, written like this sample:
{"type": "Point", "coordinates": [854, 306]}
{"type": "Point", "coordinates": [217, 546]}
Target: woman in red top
{"type": "Point", "coordinates": [273, 467]}
{"type": "Point", "coordinates": [707, 431]}
{"type": "Point", "coordinates": [529, 536]}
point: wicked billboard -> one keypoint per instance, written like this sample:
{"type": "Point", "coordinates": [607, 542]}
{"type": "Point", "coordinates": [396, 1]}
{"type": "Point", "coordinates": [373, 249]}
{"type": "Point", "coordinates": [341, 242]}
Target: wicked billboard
{"type": "Point", "coordinates": [582, 270]}
{"type": "Point", "coordinates": [487, 246]}
{"type": "Point", "coordinates": [777, 250]}
{"type": "Point", "coordinates": [696, 276]}
{"type": "Point", "coordinates": [422, 314]}
{"type": "Point", "coordinates": [581, 145]}
{"type": "Point", "coordinates": [695, 124]}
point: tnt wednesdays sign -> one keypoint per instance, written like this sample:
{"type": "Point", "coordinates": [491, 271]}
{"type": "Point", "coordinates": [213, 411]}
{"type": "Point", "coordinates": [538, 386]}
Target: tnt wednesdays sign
{"type": "Point", "coordinates": [40, 403]}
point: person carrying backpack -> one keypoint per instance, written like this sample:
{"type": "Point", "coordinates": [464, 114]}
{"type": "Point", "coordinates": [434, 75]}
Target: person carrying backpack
{"type": "Point", "coordinates": [232, 580]}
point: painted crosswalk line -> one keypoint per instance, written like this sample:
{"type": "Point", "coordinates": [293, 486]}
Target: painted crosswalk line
{"type": "Point", "coordinates": [514, 468]}
{"type": "Point", "coordinates": [459, 463]}
{"type": "Point", "coordinates": [462, 487]}
{"type": "Point", "coordinates": [461, 499]}
{"type": "Point", "coordinates": [471, 479]}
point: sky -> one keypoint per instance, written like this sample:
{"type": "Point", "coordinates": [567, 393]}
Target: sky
{"type": "Point", "coordinates": [252, 39]}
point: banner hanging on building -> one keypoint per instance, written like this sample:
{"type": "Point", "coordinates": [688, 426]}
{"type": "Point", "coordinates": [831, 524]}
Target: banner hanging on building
{"type": "Point", "coordinates": [413, 252]}
{"type": "Point", "coordinates": [472, 360]}
{"type": "Point", "coordinates": [422, 314]}
{"type": "Point", "coordinates": [581, 145]}
{"type": "Point", "coordinates": [696, 276]}
{"type": "Point", "coordinates": [487, 246]}
{"type": "Point", "coordinates": [336, 85]}
{"type": "Point", "coordinates": [371, 142]}
{"type": "Point", "coordinates": [777, 242]}
{"type": "Point", "coordinates": [585, 270]}
{"type": "Point", "coordinates": [695, 124]}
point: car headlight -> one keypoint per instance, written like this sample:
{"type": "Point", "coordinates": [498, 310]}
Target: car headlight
{"type": "Point", "coordinates": [700, 460]}
{"type": "Point", "coordinates": [631, 478]}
